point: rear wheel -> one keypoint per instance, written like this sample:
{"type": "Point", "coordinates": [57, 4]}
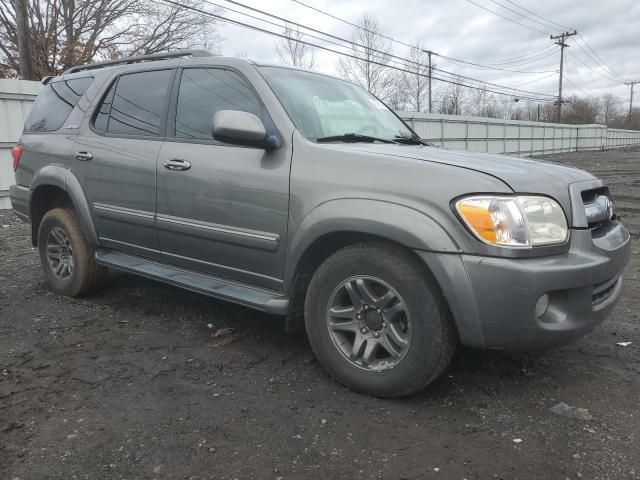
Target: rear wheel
{"type": "Point", "coordinates": [68, 260]}
{"type": "Point", "coordinates": [377, 320]}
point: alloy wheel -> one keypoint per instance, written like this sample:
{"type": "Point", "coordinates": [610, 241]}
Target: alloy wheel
{"type": "Point", "coordinates": [60, 254]}
{"type": "Point", "coordinates": [369, 323]}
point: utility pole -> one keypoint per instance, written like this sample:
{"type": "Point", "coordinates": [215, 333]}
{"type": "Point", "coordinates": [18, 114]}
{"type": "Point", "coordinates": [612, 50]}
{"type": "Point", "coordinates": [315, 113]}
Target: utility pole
{"type": "Point", "coordinates": [560, 41]}
{"type": "Point", "coordinates": [631, 84]}
{"type": "Point", "coordinates": [24, 46]}
{"type": "Point", "coordinates": [429, 70]}
{"type": "Point", "coordinates": [429, 52]}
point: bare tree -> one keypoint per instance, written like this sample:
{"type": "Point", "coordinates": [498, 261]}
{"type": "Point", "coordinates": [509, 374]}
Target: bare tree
{"type": "Point", "coordinates": [63, 33]}
{"type": "Point", "coordinates": [417, 83]}
{"type": "Point", "coordinates": [452, 99]}
{"type": "Point", "coordinates": [397, 96]}
{"type": "Point", "coordinates": [483, 104]}
{"type": "Point", "coordinates": [370, 70]}
{"type": "Point", "coordinates": [519, 112]}
{"type": "Point", "coordinates": [549, 113]}
{"type": "Point", "coordinates": [580, 111]}
{"type": "Point", "coordinates": [292, 52]}
{"type": "Point", "coordinates": [611, 106]}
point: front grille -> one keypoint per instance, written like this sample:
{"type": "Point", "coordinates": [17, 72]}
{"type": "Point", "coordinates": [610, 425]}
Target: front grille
{"type": "Point", "coordinates": [598, 206]}
{"type": "Point", "coordinates": [602, 291]}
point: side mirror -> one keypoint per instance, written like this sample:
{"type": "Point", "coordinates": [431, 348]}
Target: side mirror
{"type": "Point", "coordinates": [242, 128]}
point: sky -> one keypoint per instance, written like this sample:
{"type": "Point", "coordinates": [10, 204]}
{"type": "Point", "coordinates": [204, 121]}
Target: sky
{"type": "Point", "coordinates": [465, 31]}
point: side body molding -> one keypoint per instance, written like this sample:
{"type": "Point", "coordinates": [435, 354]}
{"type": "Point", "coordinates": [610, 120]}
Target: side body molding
{"type": "Point", "coordinates": [61, 177]}
{"type": "Point", "coordinates": [396, 222]}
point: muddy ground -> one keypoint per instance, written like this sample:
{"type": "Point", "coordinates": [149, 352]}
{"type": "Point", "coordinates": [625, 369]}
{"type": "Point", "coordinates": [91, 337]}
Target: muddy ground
{"type": "Point", "coordinates": [137, 382]}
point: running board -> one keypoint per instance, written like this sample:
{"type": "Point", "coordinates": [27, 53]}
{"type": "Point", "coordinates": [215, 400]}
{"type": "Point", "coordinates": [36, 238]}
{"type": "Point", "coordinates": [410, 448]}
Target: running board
{"type": "Point", "coordinates": [265, 300]}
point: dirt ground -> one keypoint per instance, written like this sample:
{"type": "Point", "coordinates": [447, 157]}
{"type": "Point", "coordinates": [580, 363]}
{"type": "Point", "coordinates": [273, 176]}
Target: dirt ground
{"type": "Point", "coordinates": [139, 382]}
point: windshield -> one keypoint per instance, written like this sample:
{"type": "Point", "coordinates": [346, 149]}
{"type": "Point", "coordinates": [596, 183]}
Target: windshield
{"type": "Point", "coordinates": [322, 107]}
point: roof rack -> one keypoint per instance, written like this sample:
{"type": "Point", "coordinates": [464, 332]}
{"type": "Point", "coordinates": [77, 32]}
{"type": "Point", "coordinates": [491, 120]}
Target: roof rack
{"type": "Point", "coordinates": [141, 58]}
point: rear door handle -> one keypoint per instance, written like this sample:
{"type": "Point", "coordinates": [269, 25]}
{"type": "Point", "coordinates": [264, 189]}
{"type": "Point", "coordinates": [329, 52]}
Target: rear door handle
{"type": "Point", "coordinates": [177, 164]}
{"type": "Point", "coordinates": [84, 156]}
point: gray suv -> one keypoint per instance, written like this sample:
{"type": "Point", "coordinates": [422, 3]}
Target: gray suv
{"type": "Point", "coordinates": [302, 195]}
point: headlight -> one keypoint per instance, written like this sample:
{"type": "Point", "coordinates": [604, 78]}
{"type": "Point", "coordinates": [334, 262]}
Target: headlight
{"type": "Point", "coordinates": [521, 221]}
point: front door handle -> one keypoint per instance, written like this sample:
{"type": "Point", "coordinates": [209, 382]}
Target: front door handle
{"type": "Point", "coordinates": [177, 164]}
{"type": "Point", "coordinates": [84, 156]}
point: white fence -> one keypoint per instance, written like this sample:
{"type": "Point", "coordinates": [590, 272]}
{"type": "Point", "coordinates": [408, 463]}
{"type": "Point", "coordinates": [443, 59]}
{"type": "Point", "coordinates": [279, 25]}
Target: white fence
{"type": "Point", "coordinates": [451, 131]}
{"type": "Point", "coordinates": [16, 97]}
{"type": "Point", "coordinates": [515, 137]}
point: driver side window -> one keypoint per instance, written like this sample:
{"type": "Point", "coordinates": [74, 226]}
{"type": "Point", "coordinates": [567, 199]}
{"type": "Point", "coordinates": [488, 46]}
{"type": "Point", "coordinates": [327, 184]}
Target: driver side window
{"type": "Point", "coordinates": [204, 91]}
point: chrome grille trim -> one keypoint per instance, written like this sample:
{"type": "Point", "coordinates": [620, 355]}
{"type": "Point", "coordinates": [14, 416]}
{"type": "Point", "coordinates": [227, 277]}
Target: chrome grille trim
{"type": "Point", "coordinates": [598, 206]}
{"type": "Point", "coordinates": [600, 210]}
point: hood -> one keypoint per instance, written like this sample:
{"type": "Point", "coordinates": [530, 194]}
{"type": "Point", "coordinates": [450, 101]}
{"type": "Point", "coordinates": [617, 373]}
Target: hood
{"type": "Point", "coordinates": [522, 175]}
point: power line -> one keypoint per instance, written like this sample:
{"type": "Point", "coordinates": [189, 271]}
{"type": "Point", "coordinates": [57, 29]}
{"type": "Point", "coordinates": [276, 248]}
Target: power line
{"type": "Point", "coordinates": [349, 44]}
{"type": "Point", "coordinates": [518, 91]}
{"type": "Point", "coordinates": [483, 67]}
{"type": "Point", "coordinates": [545, 25]}
{"type": "Point", "coordinates": [520, 59]}
{"type": "Point", "coordinates": [576, 86]}
{"type": "Point", "coordinates": [600, 62]}
{"type": "Point", "coordinates": [400, 42]}
{"type": "Point", "coordinates": [594, 70]}
{"type": "Point", "coordinates": [536, 80]}
{"type": "Point", "coordinates": [597, 60]}
{"type": "Point", "coordinates": [512, 92]}
{"type": "Point", "coordinates": [533, 60]}
{"type": "Point", "coordinates": [487, 65]}
{"type": "Point", "coordinates": [507, 18]}
{"type": "Point", "coordinates": [299, 25]}
{"type": "Point", "coordinates": [551, 22]}
{"type": "Point", "coordinates": [352, 24]}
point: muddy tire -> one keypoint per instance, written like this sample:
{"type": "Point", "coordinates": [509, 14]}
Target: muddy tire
{"type": "Point", "coordinates": [68, 259]}
{"type": "Point", "coordinates": [377, 320]}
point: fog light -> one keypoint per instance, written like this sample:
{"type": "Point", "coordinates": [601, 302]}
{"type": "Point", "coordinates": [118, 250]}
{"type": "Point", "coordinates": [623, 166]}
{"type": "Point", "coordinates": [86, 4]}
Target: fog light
{"type": "Point", "coordinates": [542, 304]}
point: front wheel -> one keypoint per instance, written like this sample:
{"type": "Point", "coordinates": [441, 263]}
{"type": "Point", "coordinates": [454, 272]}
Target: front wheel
{"type": "Point", "coordinates": [377, 321]}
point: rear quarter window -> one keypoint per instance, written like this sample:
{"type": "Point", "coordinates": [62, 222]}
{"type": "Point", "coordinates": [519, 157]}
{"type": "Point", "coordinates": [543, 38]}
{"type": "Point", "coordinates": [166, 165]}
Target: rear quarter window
{"type": "Point", "coordinates": [54, 104]}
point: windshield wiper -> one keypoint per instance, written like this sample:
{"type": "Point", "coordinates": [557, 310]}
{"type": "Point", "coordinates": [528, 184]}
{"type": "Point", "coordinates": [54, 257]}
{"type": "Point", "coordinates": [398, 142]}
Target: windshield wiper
{"type": "Point", "coordinates": [415, 140]}
{"type": "Point", "coordinates": [353, 138]}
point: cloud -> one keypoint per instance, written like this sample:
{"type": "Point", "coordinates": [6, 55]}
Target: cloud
{"type": "Point", "coordinates": [459, 29]}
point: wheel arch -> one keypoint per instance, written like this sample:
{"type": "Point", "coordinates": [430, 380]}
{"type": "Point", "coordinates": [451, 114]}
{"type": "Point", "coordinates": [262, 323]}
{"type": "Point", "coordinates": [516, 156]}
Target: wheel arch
{"type": "Point", "coordinates": [55, 186]}
{"type": "Point", "coordinates": [337, 224]}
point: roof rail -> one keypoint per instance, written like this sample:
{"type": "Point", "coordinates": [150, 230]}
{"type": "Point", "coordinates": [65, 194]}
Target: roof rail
{"type": "Point", "coordinates": [141, 58]}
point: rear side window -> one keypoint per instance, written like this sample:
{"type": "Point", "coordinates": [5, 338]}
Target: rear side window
{"type": "Point", "coordinates": [204, 91]}
{"type": "Point", "coordinates": [54, 104]}
{"type": "Point", "coordinates": [134, 104]}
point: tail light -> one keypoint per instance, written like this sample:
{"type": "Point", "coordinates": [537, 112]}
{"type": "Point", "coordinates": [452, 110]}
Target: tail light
{"type": "Point", "coordinates": [16, 153]}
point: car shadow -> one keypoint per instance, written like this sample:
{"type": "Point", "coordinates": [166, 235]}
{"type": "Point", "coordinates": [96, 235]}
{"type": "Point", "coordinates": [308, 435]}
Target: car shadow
{"type": "Point", "coordinates": [486, 370]}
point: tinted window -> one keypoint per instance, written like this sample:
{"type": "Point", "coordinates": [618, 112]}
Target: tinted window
{"type": "Point", "coordinates": [204, 91]}
{"type": "Point", "coordinates": [134, 104]}
{"type": "Point", "coordinates": [102, 117]}
{"type": "Point", "coordinates": [54, 104]}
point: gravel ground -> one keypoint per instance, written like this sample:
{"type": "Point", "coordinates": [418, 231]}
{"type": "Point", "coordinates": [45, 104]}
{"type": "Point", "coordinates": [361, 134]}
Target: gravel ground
{"type": "Point", "coordinates": [147, 381]}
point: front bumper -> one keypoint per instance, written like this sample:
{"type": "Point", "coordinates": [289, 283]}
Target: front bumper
{"type": "Point", "coordinates": [493, 299]}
